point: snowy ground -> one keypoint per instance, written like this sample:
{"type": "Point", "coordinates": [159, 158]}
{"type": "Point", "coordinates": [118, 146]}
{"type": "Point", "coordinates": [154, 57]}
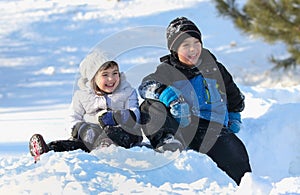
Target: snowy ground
{"type": "Point", "coordinates": [41, 44]}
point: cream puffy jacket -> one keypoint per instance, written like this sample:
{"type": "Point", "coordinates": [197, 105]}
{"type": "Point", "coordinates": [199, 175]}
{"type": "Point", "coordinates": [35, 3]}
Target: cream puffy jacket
{"type": "Point", "coordinates": [86, 104]}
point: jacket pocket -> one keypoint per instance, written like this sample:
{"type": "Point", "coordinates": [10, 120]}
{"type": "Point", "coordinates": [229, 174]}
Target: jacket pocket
{"type": "Point", "coordinates": [213, 94]}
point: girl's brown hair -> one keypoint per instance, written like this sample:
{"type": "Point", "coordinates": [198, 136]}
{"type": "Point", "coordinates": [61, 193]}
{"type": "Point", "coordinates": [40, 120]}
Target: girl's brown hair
{"type": "Point", "coordinates": [105, 66]}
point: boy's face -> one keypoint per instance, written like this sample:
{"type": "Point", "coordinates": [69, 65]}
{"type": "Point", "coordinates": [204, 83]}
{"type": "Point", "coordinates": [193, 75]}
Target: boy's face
{"type": "Point", "coordinates": [108, 80]}
{"type": "Point", "coordinates": [189, 51]}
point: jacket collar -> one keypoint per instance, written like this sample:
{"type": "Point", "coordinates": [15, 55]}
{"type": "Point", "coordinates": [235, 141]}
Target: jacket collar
{"type": "Point", "coordinates": [188, 71]}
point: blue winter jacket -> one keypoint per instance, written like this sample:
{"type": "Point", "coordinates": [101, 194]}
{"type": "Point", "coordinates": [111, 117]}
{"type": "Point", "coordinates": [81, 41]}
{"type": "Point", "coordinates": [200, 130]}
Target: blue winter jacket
{"type": "Point", "coordinates": [208, 88]}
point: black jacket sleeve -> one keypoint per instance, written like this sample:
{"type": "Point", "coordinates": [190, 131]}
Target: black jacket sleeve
{"type": "Point", "coordinates": [235, 98]}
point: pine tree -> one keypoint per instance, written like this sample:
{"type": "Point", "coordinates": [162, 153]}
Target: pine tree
{"type": "Point", "coordinates": [273, 20]}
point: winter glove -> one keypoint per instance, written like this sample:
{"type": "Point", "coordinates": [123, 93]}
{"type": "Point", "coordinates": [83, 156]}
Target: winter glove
{"type": "Point", "coordinates": [149, 89]}
{"type": "Point", "coordinates": [181, 112]}
{"type": "Point", "coordinates": [169, 95]}
{"type": "Point", "coordinates": [123, 117]}
{"type": "Point", "coordinates": [106, 118]}
{"type": "Point", "coordinates": [235, 122]}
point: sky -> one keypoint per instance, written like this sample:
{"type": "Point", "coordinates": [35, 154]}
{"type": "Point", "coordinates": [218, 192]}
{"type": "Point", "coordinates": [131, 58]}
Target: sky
{"type": "Point", "coordinates": [41, 46]}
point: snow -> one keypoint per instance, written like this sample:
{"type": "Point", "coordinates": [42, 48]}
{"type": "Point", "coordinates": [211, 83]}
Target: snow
{"type": "Point", "coordinates": [41, 45]}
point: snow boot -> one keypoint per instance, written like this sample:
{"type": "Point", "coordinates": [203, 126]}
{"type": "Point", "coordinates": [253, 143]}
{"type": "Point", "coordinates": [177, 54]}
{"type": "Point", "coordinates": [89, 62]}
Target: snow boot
{"type": "Point", "coordinates": [106, 142]}
{"type": "Point", "coordinates": [169, 143]}
{"type": "Point", "coordinates": [103, 141]}
{"type": "Point", "coordinates": [37, 146]}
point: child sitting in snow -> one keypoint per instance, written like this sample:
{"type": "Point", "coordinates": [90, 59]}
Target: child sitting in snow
{"type": "Point", "coordinates": [104, 111]}
{"type": "Point", "coordinates": [192, 102]}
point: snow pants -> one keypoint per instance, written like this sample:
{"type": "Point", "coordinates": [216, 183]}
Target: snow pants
{"type": "Point", "coordinates": [212, 139]}
{"type": "Point", "coordinates": [88, 136]}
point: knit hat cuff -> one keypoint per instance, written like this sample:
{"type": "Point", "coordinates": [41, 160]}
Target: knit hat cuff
{"type": "Point", "coordinates": [90, 65]}
{"type": "Point", "coordinates": [181, 37]}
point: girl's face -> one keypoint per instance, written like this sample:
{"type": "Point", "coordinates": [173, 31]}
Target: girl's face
{"type": "Point", "coordinates": [189, 51]}
{"type": "Point", "coordinates": [108, 80]}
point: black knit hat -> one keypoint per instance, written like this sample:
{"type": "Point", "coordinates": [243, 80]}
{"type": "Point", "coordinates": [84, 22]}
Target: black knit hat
{"type": "Point", "coordinates": [180, 29]}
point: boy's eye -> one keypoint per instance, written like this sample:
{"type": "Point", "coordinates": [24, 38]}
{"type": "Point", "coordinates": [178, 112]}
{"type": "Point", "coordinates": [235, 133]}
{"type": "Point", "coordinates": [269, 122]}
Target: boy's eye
{"type": "Point", "coordinates": [198, 43]}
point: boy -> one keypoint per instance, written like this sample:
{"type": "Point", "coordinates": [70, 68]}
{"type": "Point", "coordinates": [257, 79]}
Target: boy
{"type": "Point", "coordinates": [192, 102]}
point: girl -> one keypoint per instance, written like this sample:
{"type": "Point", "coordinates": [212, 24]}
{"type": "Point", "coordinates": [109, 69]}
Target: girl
{"type": "Point", "coordinates": [104, 111]}
{"type": "Point", "coordinates": [192, 102]}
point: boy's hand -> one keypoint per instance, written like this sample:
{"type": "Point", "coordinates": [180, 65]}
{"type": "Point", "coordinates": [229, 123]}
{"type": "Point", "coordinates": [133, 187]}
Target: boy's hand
{"type": "Point", "coordinates": [181, 112]}
{"type": "Point", "coordinates": [235, 122]}
{"type": "Point", "coordinates": [169, 95]}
